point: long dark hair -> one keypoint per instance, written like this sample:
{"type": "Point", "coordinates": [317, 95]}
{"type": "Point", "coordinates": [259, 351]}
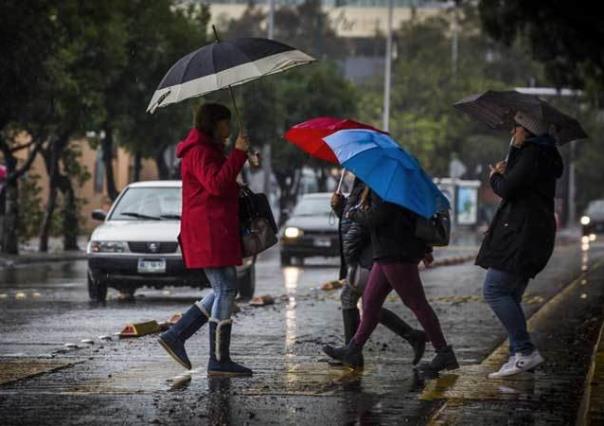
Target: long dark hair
{"type": "Point", "coordinates": [208, 115]}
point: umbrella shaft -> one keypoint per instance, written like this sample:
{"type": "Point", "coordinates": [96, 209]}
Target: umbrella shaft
{"type": "Point", "coordinates": [339, 188]}
{"type": "Point", "coordinates": [237, 115]}
{"type": "Point", "coordinates": [236, 109]}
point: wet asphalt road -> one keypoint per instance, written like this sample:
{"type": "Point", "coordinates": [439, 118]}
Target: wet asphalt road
{"type": "Point", "coordinates": [132, 381]}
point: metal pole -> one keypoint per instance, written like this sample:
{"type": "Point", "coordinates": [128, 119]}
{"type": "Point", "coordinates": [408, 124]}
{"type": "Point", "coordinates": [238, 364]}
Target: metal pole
{"type": "Point", "coordinates": [266, 149]}
{"type": "Point", "coordinates": [572, 208]}
{"type": "Point", "coordinates": [388, 68]}
{"type": "Point", "coordinates": [455, 42]}
{"type": "Point", "coordinates": [271, 19]}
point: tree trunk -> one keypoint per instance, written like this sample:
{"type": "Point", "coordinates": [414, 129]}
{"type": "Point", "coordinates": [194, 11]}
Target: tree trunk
{"type": "Point", "coordinates": [107, 146]}
{"type": "Point", "coordinates": [10, 234]}
{"type": "Point", "coordinates": [163, 170]}
{"type": "Point", "coordinates": [52, 168]}
{"type": "Point", "coordinates": [138, 165]}
{"type": "Point", "coordinates": [71, 224]}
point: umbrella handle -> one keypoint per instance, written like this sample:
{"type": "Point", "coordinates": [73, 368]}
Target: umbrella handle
{"type": "Point", "coordinates": [507, 157]}
{"type": "Point", "coordinates": [339, 188]}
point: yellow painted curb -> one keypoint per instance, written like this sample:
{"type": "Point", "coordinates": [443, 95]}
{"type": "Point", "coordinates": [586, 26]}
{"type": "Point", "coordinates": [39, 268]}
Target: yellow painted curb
{"type": "Point", "coordinates": [471, 382]}
{"type": "Point", "coordinates": [592, 403]}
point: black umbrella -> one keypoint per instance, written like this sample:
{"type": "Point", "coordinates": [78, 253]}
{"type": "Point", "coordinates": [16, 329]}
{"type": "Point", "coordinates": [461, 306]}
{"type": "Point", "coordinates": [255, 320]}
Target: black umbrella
{"type": "Point", "coordinates": [497, 110]}
{"type": "Point", "coordinates": [224, 64]}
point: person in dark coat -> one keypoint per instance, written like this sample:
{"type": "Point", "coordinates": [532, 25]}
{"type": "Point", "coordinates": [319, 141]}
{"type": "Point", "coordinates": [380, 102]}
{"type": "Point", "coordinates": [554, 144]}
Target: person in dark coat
{"type": "Point", "coordinates": [520, 239]}
{"type": "Point", "coordinates": [209, 234]}
{"type": "Point", "coordinates": [396, 255]}
{"type": "Point", "coordinates": [357, 260]}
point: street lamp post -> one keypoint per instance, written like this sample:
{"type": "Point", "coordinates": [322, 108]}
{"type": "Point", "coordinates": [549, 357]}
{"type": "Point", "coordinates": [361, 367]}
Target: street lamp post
{"type": "Point", "coordinates": [271, 19]}
{"type": "Point", "coordinates": [266, 148]}
{"type": "Point", "coordinates": [388, 68]}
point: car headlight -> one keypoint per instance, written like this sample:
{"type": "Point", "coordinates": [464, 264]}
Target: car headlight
{"type": "Point", "coordinates": [585, 220]}
{"type": "Point", "coordinates": [292, 232]}
{"type": "Point", "coordinates": [107, 247]}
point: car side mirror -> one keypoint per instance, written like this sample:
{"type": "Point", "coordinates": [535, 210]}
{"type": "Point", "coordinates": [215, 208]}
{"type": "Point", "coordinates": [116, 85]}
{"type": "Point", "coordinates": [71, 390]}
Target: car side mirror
{"type": "Point", "coordinates": [98, 214]}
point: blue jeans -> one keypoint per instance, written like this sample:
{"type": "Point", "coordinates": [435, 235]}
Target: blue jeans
{"type": "Point", "coordinates": [218, 304]}
{"type": "Point", "coordinates": [503, 292]}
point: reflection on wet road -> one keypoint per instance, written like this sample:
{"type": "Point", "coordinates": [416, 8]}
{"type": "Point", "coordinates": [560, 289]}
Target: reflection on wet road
{"type": "Point", "coordinates": [44, 308]}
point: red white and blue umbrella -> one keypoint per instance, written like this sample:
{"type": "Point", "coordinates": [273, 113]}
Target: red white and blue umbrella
{"type": "Point", "coordinates": [390, 171]}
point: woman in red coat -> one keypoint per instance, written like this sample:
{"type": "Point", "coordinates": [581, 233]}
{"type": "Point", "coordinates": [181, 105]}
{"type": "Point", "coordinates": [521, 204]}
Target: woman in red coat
{"type": "Point", "coordinates": [209, 234]}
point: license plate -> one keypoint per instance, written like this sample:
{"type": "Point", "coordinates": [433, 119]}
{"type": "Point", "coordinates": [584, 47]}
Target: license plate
{"type": "Point", "coordinates": [322, 242]}
{"type": "Point", "coordinates": [151, 266]}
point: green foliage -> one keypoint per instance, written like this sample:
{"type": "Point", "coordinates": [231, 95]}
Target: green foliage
{"type": "Point", "coordinates": [30, 202]}
{"type": "Point", "coordinates": [158, 36]}
{"type": "Point", "coordinates": [425, 84]}
{"type": "Point", "coordinates": [565, 36]}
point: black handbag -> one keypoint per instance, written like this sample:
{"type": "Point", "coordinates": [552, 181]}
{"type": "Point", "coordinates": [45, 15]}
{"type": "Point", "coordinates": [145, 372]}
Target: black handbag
{"type": "Point", "coordinates": [435, 231]}
{"type": "Point", "coordinates": [257, 223]}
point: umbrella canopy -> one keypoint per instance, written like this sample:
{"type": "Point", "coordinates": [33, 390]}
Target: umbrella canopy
{"type": "Point", "coordinates": [394, 174]}
{"type": "Point", "coordinates": [309, 135]}
{"type": "Point", "coordinates": [223, 64]}
{"type": "Point", "coordinates": [497, 110]}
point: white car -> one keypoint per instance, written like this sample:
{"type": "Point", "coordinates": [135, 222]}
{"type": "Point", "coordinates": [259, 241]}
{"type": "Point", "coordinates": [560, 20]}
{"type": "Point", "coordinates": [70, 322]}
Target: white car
{"type": "Point", "coordinates": [137, 246]}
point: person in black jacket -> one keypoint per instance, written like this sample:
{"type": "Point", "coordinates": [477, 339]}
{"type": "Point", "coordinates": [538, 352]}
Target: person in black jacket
{"type": "Point", "coordinates": [356, 261]}
{"type": "Point", "coordinates": [520, 239]}
{"type": "Point", "coordinates": [396, 254]}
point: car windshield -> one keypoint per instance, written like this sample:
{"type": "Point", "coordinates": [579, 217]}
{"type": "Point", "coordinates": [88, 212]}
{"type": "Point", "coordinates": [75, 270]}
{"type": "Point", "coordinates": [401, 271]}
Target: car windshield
{"type": "Point", "coordinates": [148, 203]}
{"type": "Point", "coordinates": [596, 208]}
{"type": "Point", "coordinates": [313, 207]}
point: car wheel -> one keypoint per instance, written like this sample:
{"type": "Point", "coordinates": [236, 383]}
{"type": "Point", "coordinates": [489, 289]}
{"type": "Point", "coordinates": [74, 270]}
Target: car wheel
{"type": "Point", "coordinates": [97, 289]}
{"type": "Point", "coordinates": [247, 283]}
{"type": "Point", "coordinates": [286, 260]}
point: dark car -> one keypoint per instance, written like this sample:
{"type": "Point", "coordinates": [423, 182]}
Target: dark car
{"type": "Point", "coordinates": [312, 230]}
{"type": "Point", "coordinates": [136, 245]}
{"type": "Point", "coordinates": [593, 220]}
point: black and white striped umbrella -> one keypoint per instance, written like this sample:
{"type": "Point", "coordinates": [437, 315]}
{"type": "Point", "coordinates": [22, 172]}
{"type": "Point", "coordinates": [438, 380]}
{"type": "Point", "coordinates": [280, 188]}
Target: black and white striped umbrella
{"type": "Point", "coordinates": [223, 64]}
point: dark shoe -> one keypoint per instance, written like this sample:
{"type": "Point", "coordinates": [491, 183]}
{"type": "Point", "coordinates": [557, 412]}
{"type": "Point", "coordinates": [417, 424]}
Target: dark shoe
{"type": "Point", "coordinates": [350, 355]}
{"type": "Point", "coordinates": [220, 363]}
{"type": "Point", "coordinates": [416, 338]}
{"type": "Point", "coordinates": [352, 319]}
{"type": "Point", "coordinates": [173, 340]}
{"type": "Point", "coordinates": [444, 360]}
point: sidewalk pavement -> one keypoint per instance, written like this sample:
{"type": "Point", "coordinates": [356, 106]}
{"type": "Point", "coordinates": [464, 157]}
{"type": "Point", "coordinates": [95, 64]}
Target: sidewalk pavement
{"type": "Point", "coordinates": [28, 253]}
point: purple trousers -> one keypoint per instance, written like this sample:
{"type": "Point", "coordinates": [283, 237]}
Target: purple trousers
{"type": "Point", "coordinates": [404, 279]}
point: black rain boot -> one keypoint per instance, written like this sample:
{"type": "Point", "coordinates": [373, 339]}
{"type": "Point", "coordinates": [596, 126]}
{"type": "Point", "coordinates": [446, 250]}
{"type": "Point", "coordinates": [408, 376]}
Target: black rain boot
{"type": "Point", "coordinates": [444, 360]}
{"type": "Point", "coordinates": [173, 340]}
{"type": "Point", "coordinates": [416, 338]}
{"type": "Point", "coordinates": [352, 319]}
{"type": "Point", "coordinates": [220, 363]}
{"type": "Point", "coordinates": [350, 355]}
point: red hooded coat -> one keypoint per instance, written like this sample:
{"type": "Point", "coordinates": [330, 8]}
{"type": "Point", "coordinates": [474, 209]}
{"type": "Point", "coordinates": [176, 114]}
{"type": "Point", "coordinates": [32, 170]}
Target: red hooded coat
{"type": "Point", "coordinates": [209, 227]}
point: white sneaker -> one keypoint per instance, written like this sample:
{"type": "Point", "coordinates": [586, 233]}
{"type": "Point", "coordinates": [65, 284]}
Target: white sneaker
{"type": "Point", "coordinates": [528, 362]}
{"type": "Point", "coordinates": [507, 369]}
